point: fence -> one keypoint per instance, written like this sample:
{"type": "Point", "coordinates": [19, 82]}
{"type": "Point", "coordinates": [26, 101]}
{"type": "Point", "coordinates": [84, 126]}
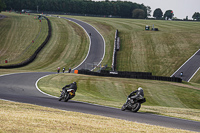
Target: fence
{"type": "Point", "coordinates": [126, 74]}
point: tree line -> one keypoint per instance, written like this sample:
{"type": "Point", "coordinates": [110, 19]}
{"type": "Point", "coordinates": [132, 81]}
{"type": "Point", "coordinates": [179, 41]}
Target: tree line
{"type": "Point", "coordinates": [158, 14]}
{"type": "Point", "coordinates": [115, 8]}
{"type": "Point", "coordinates": [2, 5]}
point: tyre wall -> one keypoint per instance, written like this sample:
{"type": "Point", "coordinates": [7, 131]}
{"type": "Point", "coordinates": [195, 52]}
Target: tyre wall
{"type": "Point", "coordinates": [126, 74]}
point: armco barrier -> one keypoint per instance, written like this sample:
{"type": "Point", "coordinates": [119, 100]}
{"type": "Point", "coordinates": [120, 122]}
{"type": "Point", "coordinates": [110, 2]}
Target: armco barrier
{"type": "Point", "coordinates": [125, 74]}
{"type": "Point", "coordinates": [32, 57]}
{"type": "Point", "coordinates": [115, 49]}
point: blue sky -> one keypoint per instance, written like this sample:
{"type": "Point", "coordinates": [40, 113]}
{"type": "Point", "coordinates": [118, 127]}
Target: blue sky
{"type": "Point", "coordinates": [181, 8]}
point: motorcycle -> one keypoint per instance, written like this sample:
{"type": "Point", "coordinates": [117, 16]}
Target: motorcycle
{"type": "Point", "coordinates": [135, 105]}
{"type": "Point", "coordinates": [66, 95]}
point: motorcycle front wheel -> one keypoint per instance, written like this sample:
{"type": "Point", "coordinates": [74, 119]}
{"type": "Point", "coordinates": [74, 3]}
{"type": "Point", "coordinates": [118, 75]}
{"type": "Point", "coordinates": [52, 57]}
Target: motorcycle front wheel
{"type": "Point", "coordinates": [136, 107]}
{"type": "Point", "coordinates": [61, 96]}
{"type": "Point", "coordinates": [66, 97]}
{"type": "Point", "coordinates": [123, 107]}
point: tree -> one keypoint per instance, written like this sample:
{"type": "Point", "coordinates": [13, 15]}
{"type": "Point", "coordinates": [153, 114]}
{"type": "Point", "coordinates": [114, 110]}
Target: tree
{"type": "Point", "coordinates": [138, 13]}
{"type": "Point", "coordinates": [106, 7]}
{"type": "Point", "coordinates": [2, 5]}
{"type": "Point", "coordinates": [169, 14]}
{"type": "Point", "coordinates": [148, 11]}
{"type": "Point", "coordinates": [196, 16]}
{"type": "Point", "coordinates": [158, 13]}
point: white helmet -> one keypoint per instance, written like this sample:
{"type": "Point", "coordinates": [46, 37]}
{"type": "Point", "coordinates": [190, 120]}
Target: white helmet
{"type": "Point", "coordinates": [140, 88]}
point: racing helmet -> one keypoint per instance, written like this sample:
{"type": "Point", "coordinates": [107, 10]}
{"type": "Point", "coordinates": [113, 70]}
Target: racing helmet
{"type": "Point", "coordinates": [140, 88]}
{"type": "Point", "coordinates": [74, 83]}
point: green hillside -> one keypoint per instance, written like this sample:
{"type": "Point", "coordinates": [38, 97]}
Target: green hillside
{"type": "Point", "coordinates": [21, 35]}
{"type": "Point", "coordinates": [165, 98]}
{"type": "Point", "coordinates": [67, 47]}
{"type": "Point", "coordinates": [160, 52]}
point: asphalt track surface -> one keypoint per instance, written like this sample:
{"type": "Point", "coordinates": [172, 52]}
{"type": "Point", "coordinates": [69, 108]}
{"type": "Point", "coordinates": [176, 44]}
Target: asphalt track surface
{"type": "Point", "coordinates": [97, 46]}
{"type": "Point", "coordinates": [21, 87]}
{"type": "Point", "coordinates": [189, 68]}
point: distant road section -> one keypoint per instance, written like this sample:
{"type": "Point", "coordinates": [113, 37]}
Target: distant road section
{"type": "Point", "coordinates": [97, 46]}
{"type": "Point", "coordinates": [2, 16]}
{"type": "Point", "coordinates": [189, 68]}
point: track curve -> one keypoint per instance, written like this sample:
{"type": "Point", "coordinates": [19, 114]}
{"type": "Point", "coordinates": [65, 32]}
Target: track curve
{"type": "Point", "coordinates": [97, 46]}
{"type": "Point", "coordinates": [20, 87]}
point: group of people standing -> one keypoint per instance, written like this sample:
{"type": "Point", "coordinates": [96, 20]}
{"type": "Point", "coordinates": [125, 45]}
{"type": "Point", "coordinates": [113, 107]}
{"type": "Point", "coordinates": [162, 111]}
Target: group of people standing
{"type": "Point", "coordinates": [58, 70]}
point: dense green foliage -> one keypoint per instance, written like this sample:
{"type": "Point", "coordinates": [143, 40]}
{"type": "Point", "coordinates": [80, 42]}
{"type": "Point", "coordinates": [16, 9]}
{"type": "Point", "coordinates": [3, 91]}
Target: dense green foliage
{"type": "Point", "coordinates": [196, 16]}
{"type": "Point", "coordinates": [117, 8]}
{"type": "Point", "coordinates": [168, 14]}
{"type": "Point", "coordinates": [2, 5]}
{"type": "Point", "coordinates": [158, 13]}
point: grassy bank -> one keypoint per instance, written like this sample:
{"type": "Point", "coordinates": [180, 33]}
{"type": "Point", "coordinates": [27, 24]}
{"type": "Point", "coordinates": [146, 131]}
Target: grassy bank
{"type": "Point", "coordinates": [161, 53]}
{"type": "Point", "coordinates": [113, 92]}
{"type": "Point", "coordinates": [67, 48]}
{"type": "Point", "coordinates": [17, 32]}
{"type": "Point", "coordinates": [18, 117]}
{"type": "Point", "coordinates": [158, 52]}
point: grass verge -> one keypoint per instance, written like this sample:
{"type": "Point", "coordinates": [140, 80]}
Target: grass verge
{"type": "Point", "coordinates": [19, 117]}
{"type": "Point", "coordinates": [164, 98]}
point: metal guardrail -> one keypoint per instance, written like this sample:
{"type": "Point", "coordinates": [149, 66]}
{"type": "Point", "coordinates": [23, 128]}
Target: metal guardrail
{"type": "Point", "coordinates": [115, 49]}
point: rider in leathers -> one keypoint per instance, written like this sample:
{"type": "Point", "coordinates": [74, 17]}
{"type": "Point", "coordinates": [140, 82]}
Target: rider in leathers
{"type": "Point", "coordinates": [137, 93]}
{"type": "Point", "coordinates": [71, 86]}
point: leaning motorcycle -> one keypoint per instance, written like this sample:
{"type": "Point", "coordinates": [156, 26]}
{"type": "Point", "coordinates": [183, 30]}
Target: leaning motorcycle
{"type": "Point", "coordinates": [134, 105]}
{"type": "Point", "coordinates": [66, 95]}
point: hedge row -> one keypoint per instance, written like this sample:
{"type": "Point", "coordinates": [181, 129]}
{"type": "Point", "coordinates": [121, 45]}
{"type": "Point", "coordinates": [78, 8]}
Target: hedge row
{"type": "Point", "coordinates": [125, 74]}
{"type": "Point", "coordinates": [32, 58]}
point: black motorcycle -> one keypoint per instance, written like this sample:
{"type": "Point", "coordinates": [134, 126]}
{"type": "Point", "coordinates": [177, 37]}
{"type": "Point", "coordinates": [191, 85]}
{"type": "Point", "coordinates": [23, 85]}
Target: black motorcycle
{"type": "Point", "coordinates": [66, 95]}
{"type": "Point", "coordinates": [134, 105]}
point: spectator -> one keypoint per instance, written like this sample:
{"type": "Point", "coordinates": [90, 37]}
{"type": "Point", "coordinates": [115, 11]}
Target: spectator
{"type": "Point", "coordinates": [181, 74]}
{"type": "Point", "coordinates": [69, 70]}
{"type": "Point", "coordinates": [58, 69]}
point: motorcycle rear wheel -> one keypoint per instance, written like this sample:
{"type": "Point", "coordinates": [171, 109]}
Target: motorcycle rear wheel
{"type": "Point", "coordinates": [136, 107]}
{"type": "Point", "coordinates": [61, 96]}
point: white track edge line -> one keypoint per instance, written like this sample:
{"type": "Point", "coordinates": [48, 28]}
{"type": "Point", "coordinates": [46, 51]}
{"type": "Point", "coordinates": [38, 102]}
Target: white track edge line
{"type": "Point", "coordinates": [90, 41]}
{"type": "Point", "coordinates": [41, 90]}
{"type": "Point", "coordinates": [193, 74]}
{"type": "Point", "coordinates": [185, 63]}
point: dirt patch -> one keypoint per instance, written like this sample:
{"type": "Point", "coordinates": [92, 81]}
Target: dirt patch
{"type": "Point", "coordinates": [184, 85]}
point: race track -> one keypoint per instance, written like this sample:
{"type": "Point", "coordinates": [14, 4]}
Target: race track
{"type": "Point", "coordinates": [97, 46]}
{"type": "Point", "coordinates": [189, 68]}
{"type": "Point", "coordinates": [21, 87]}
